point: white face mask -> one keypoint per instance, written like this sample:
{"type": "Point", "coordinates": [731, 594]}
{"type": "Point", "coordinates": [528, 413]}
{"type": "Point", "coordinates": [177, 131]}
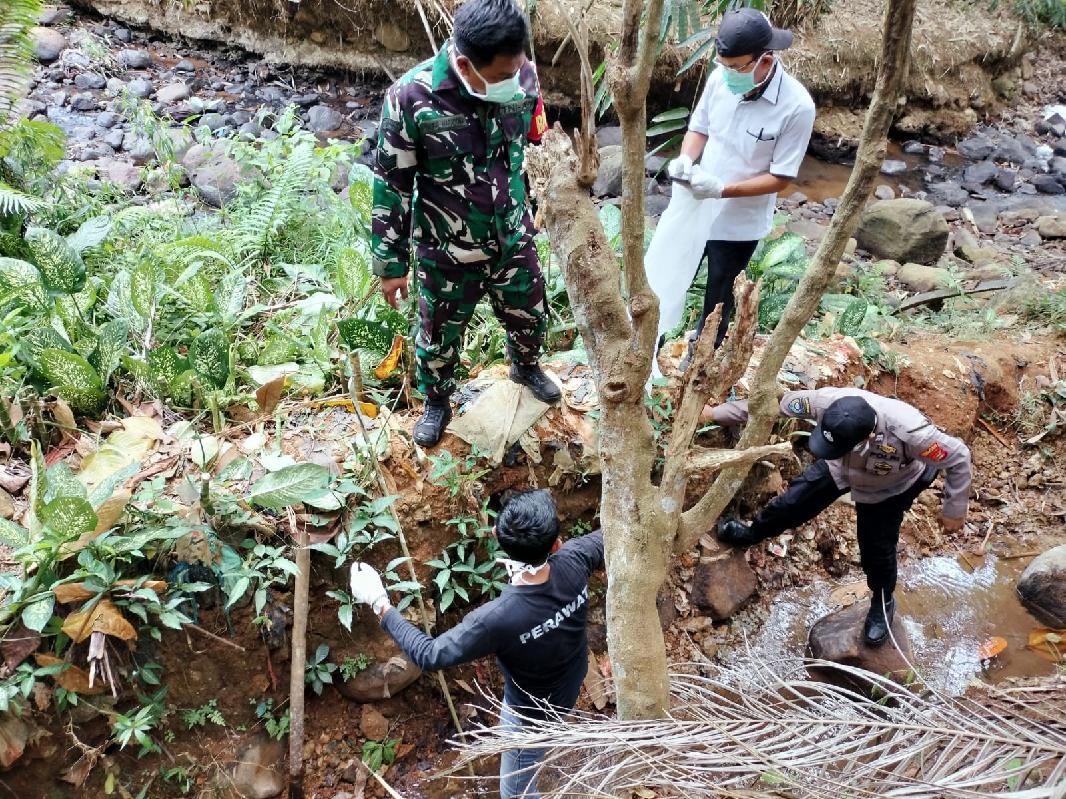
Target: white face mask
{"type": "Point", "coordinates": [503, 91]}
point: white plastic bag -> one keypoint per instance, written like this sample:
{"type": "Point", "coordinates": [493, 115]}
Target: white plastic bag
{"type": "Point", "coordinates": [674, 255]}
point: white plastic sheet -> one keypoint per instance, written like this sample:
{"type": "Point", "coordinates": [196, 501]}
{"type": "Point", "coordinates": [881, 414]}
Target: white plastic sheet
{"type": "Point", "coordinates": [674, 255]}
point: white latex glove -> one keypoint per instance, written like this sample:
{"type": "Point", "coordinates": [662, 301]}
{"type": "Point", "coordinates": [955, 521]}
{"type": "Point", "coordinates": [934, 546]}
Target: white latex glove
{"type": "Point", "coordinates": [680, 167]}
{"type": "Point", "coordinates": [704, 185]}
{"type": "Point", "coordinates": [368, 588]}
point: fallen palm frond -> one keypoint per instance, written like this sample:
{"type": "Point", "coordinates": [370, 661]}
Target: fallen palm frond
{"type": "Point", "coordinates": [753, 731]}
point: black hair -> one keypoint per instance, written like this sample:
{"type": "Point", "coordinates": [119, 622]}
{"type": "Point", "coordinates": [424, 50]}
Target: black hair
{"type": "Point", "coordinates": [527, 527]}
{"type": "Point", "coordinates": [484, 29]}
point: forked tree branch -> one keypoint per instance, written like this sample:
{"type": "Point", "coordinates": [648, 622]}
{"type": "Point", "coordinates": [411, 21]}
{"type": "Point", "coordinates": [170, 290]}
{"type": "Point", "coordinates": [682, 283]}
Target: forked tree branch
{"type": "Point", "coordinates": [762, 404]}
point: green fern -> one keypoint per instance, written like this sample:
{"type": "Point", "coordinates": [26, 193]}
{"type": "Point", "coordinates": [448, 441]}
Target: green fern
{"type": "Point", "coordinates": [16, 203]}
{"type": "Point", "coordinates": [259, 226]}
{"type": "Point", "coordinates": [17, 17]}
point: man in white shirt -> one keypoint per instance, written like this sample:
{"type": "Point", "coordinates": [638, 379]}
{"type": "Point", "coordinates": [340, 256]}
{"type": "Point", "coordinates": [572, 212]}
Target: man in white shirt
{"type": "Point", "coordinates": [749, 133]}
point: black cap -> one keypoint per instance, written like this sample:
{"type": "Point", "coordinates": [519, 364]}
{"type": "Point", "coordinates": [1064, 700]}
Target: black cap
{"type": "Point", "coordinates": [749, 32]}
{"type": "Point", "coordinates": [845, 423]}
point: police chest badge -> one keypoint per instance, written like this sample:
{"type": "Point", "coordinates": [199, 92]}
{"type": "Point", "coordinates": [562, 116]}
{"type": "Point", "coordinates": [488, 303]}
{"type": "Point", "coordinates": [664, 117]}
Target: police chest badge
{"type": "Point", "coordinates": [887, 450]}
{"type": "Point", "coordinates": [882, 468]}
{"type": "Point", "coordinates": [800, 406]}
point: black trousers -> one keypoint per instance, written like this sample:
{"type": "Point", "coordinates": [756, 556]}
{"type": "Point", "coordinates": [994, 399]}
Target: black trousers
{"type": "Point", "coordinates": [725, 260]}
{"type": "Point", "coordinates": [878, 523]}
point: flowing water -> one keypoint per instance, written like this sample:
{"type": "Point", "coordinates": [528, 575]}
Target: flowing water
{"type": "Point", "coordinates": [950, 607]}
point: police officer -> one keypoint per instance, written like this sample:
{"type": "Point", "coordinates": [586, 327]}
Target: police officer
{"type": "Point", "coordinates": [886, 453]}
{"type": "Point", "coordinates": [448, 180]}
{"type": "Point", "coordinates": [749, 132]}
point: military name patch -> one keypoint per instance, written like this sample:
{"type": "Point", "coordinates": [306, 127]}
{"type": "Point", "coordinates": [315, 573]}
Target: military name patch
{"type": "Point", "coordinates": [800, 406]}
{"type": "Point", "coordinates": [934, 452]}
{"type": "Point", "coordinates": [441, 124]}
{"type": "Point", "coordinates": [518, 106]}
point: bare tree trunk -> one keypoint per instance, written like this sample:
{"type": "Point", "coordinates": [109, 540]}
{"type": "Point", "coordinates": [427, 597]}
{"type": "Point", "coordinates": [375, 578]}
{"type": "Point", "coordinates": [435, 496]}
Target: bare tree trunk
{"type": "Point", "coordinates": [762, 405]}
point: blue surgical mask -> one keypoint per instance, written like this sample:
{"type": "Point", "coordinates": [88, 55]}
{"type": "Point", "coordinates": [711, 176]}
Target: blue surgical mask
{"type": "Point", "coordinates": [503, 91]}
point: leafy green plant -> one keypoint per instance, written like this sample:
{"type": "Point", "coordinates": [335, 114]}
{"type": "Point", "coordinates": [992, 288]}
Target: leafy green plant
{"type": "Point", "coordinates": [353, 666]}
{"type": "Point", "coordinates": [467, 568]}
{"type": "Point", "coordinates": [181, 777]}
{"type": "Point", "coordinates": [319, 671]}
{"type": "Point", "coordinates": [199, 716]}
{"type": "Point", "coordinates": [140, 725]}
{"type": "Point", "coordinates": [277, 725]}
{"type": "Point", "coordinates": [453, 473]}
{"type": "Point", "coordinates": [379, 754]}
{"type": "Point", "coordinates": [262, 569]}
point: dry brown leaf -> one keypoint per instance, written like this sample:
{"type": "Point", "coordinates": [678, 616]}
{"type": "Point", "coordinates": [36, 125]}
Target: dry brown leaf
{"type": "Point", "coordinates": [391, 361]}
{"type": "Point", "coordinates": [269, 394]}
{"type": "Point", "coordinates": [64, 415]}
{"type": "Point", "coordinates": [105, 618]}
{"type": "Point", "coordinates": [110, 512]}
{"type": "Point", "coordinates": [68, 593]}
{"type": "Point", "coordinates": [848, 595]}
{"type": "Point", "coordinates": [1049, 643]}
{"type": "Point", "coordinates": [465, 686]}
{"type": "Point", "coordinates": [18, 645]}
{"type": "Point", "coordinates": [992, 647]}
{"type": "Point", "coordinates": [74, 678]}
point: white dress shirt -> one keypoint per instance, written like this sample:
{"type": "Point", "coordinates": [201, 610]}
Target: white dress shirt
{"type": "Point", "coordinates": [748, 138]}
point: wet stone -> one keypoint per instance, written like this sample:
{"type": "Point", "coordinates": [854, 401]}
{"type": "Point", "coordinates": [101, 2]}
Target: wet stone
{"type": "Point", "coordinates": [913, 148]}
{"type": "Point", "coordinates": [1042, 588]}
{"type": "Point", "coordinates": [893, 167]}
{"type": "Point", "coordinates": [837, 638]}
{"type": "Point", "coordinates": [935, 155]}
{"type": "Point", "coordinates": [89, 80]}
{"type": "Point", "coordinates": [83, 102]}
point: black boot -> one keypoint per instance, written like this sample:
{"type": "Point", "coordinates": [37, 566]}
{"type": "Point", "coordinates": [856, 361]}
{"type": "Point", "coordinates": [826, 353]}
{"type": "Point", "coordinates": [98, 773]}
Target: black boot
{"type": "Point", "coordinates": [736, 534]}
{"type": "Point", "coordinates": [542, 386]}
{"type": "Point", "coordinates": [878, 620]}
{"type": "Point", "coordinates": [435, 417]}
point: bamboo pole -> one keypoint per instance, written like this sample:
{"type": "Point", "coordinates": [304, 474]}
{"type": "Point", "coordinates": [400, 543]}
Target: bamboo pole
{"type": "Point", "coordinates": [299, 659]}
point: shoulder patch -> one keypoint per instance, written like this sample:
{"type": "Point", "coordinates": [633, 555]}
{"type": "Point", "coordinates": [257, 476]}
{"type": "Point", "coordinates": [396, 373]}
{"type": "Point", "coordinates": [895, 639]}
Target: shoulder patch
{"type": "Point", "coordinates": [801, 406]}
{"type": "Point", "coordinates": [934, 452]}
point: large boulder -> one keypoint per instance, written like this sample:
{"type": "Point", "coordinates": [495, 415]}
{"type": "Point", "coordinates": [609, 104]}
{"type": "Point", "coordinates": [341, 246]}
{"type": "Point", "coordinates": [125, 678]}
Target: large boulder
{"type": "Point", "coordinates": [1052, 226]}
{"type": "Point", "coordinates": [1042, 588]}
{"type": "Point", "coordinates": [837, 638]}
{"type": "Point", "coordinates": [903, 230]}
{"type": "Point", "coordinates": [721, 586]}
{"type": "Point", "coordinates": [381, 680]}
{"type": "Point", "coordinates": [609, 178]}
{"type": "Point", "coordinates": [48, 44]}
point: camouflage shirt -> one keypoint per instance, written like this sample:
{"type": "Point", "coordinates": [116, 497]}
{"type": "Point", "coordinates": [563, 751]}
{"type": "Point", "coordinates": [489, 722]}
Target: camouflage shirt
{"type": "Point", "coordinates": [449, 170]}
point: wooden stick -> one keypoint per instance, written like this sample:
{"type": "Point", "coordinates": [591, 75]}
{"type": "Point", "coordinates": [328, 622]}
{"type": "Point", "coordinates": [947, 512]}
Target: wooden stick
{"type": "Point", "coordinates": [425, 24]}
{"type": "Point", "coordinates": [299, 659]}
{"type": "Point", "coordinates": [356, 388]}
{"type": "Point", "coordinates": [214, 637]}
{"type": "Point", "coordinates": [388, 788]}
{"type": "Point", "coordinates": [995, 433]}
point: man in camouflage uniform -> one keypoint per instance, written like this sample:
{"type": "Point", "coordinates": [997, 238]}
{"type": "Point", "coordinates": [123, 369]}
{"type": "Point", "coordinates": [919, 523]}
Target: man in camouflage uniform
{"type": "Point", "coordinates": [885, 452]}
{"type": "Point", "coordinates": [449, 177]}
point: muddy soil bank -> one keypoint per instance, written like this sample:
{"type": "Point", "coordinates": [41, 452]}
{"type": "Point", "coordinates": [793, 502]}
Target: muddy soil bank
{"type": "Point", "coordinates": [952, 86]}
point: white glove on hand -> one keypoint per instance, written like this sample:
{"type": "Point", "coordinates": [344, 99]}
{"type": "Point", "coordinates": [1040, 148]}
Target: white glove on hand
{"type": "Point", "coordinates": [368, 588]}
{"type": "Point", "coordinates": [680, 167]}
{"type": "Point", "coordinates": [705, 186]}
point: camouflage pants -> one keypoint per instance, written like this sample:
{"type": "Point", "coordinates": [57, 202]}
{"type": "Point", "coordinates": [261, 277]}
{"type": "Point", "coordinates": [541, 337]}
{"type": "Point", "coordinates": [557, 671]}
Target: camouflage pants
{"type": "Point", "coordinates": [447, 296]}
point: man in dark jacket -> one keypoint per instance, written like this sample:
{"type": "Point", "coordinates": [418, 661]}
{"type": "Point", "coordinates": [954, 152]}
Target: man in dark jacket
{"type": "Point", "coordinates": [535, 628]}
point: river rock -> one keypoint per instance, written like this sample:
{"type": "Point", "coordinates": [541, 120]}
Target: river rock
{"type": "Point", "coordinates": [139, 88]}
{"type": "Point", "coordinates": [893, 167]}
{"type": "Point", "coordinates": [134, 59]}
{"type": "Point", "coordinates": [1047, 184]}
{"type": "Point", "coordinates": [970, 249]}
{"type": "Point", "coordinates": [935, 155]}
{"type": "Point", "coordinates": [381, 680]}
{"type": "Point", "coordinates": [903, 230]}
{"type": "Point", "coordinates": [173, 93]}
{"type": "Point", "coordinates": [884, 192]}
{"type": "Point", "coordinates": [123, 174]}
{"type": "Point", "coordinates": [913, 147]}
{"type": "Point", "coordinates": [1011, 150]}
{"type": "Point", "coordinates": [948, 192]}
{"type": "Point", "coordinates": [212, 121]}
{"type": "Point", "coordinates": [216, 179]}
{"type": "Point", "coordinates": [54, 15]}
{"type": "Point", "coordinates": [837, 638]}
{"type": "Point", "coordinates": [612, 134]}
{"type": "Point", "coordinates": [609, 179]}
{"type": "Point", "coordinates": [83, 102]}
{"type": "Point", "coordinates": [185, 65]}
{"type": "Point", "coordinates": [114, 139]}
{"type": "Point", "coordinates": [89, 80]}
{"type": "Point", "coordinates": [321, 118]}
{"type": "Point", "coordinates": [258, 771]}
{"type": "Point", "coordinates": [976, 147]}
{"type": "Point", "coordinates": [372, 724]}
{"type": "Point", "coordinates": [1054, 125]}
{"type": "Point", "coordinates": [1052, 227]}
{"type": "Point", "coordinates": [48, 44]}
{"type": "Point", "coordinates": [1006, 179]}
{"type": "Point", "coordinates": [1042, 587]}
{"type": "Point", "coordinates": [919, 277]}
{"type": "Point", "coordinates": [981, 173]}
{"type": "Point", "coordinates": [722, 586]}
